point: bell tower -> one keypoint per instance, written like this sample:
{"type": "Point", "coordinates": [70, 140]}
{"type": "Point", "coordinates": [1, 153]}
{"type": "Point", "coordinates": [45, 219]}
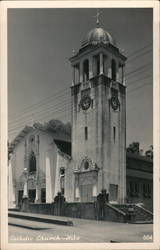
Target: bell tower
{"type": "Point", "coordinates": [98, 96]}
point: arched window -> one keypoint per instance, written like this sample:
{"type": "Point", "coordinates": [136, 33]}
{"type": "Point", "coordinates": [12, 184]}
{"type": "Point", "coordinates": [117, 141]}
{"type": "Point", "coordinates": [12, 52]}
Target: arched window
{"type": "Point", "coordinates": [113, 70]}
{"type": "Point", "coordinates": [96, 65]}
{"type": "Point", "coordinates": [85, 70]}
{"type": "Point", "coordinates": [32, 162]}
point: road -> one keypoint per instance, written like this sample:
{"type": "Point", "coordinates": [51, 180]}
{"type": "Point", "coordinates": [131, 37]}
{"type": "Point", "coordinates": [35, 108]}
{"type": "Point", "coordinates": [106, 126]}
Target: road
{"type": "Point", "coordinates": [83, 231]}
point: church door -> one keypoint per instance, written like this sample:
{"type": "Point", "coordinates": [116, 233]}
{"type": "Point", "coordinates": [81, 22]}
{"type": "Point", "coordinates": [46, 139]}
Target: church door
{"type": "Point", "coordinates": [86, 193]}
{"type": "Point", "coordinates": [20, 196]}
{"type": "Point", "coordinates": [32, 195]}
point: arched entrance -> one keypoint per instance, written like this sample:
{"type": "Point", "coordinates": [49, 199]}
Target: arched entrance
{"type": "Point", "coordinates": [86, 181]}
{"type": "Point", "coordinates": [31, 177]}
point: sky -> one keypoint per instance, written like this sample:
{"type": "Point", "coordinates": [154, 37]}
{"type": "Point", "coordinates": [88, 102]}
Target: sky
{"type": "Point", "coordinates": [40, 42]}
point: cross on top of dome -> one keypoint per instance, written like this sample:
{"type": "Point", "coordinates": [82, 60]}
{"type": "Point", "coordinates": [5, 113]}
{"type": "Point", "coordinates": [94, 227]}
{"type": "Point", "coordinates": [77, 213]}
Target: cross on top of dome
{"type": "Point", "coordinates": [97, 17]}
{"type": "Point", "coordinates": [98, 34]}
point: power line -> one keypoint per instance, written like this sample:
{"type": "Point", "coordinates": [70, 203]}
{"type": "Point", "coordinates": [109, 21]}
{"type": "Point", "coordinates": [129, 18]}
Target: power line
{"type": "Point", "coordinates": [42, 110]}
{"type": "Point", "coordinates": [140, 55]}
{"type": "Point", "coordinates": [132, 90]}
{"type": "Point", "coordinates": [42, 115]}
{"type": "Point", "coordinates": [142, 67]}
{"type": "Point", "coordinates": [45, 102]}
{"type": "Point", "coordinates": [41, 121]}
{"type": "Point", "coordinates": [67, 89]}
{"type": "Point", "coordinates": [39, 103]}
{"type": "Point", "coordinates": [66, 104]}
{"type": "Point", "coordinates": [146, 77]}
{"type": "Point", "coordinates": [59, 94]}
{"type": "Point", "coordinates": [137, 51]}
{"type": "Point", "coordinates": [69, 109]}
{"type": "Point", "coordinates": [139, 74]}
{"type": "Point", "coordinates": [52, 108]}
{"type": "Point", "coordinates": [66, 115]}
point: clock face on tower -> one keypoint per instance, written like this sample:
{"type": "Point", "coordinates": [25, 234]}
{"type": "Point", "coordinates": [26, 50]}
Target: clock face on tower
{"type": "Point", "coordinates": [114, 102]}
{"type": "Point", "coordinates": [85, 102]}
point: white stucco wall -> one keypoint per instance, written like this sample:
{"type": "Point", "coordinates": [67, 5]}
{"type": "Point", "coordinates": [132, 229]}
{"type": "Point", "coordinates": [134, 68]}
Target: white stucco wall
{"type": "Point", "coordinates": [46, 162]}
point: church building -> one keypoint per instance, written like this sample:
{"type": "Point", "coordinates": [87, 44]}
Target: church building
{"type": "Point", "coordinates": [93, 157]}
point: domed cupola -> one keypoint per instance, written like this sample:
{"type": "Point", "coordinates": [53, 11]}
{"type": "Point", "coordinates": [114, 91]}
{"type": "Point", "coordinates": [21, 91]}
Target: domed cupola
{"type": "Point", "coordinates": [96, 36]}
{"type": "Point", "coordinates": [97, 56]}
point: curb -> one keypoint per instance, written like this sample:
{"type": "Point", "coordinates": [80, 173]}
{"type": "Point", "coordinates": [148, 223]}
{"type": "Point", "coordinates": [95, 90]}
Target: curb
{"type": "Point", "coordinates": [38, 219]}
{"type": "Point", "coordinates": [141, 222]}
{"type": "Point", "coordinates": [27, 227]}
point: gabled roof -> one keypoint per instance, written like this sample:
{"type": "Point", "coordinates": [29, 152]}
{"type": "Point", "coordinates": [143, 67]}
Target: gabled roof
{"type": "Point", "coordinates": [58, 134]}
{"type": "Point", "coordinates": [19, 137]}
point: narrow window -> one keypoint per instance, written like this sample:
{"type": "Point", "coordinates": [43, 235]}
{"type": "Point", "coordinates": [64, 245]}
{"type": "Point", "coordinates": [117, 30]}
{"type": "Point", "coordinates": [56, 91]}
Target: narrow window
{"type": "Point", "coordinates": [62, 176]}
{"type": "Point", "coordinates": [92, 103]}
{"type": "Point", "coordinates": [86, 133]}
{"type": "Point", "coordinates": [98, 64]}
{"type": "Point", "coordinates": [77, 73]}
{"type": "Point", "coordinates": [62, 184]}
{"type": "Point", "coordinates": [113, 70]}
{"type": "Point", "coordinates": [105, 64]}
{"type": "Point", "coordinates": [114, 134]}
{"type": "Point", "coordinates": [32, 163]}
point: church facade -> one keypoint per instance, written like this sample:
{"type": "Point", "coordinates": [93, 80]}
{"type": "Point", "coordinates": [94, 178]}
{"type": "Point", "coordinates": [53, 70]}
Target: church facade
{"type": "Point", "coordinates": [37, 164]}
{"type": "Point", "coordinates": [94, 158]}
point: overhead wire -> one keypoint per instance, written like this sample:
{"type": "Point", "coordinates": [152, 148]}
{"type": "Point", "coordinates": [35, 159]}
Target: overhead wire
{"type": "Point", "coordinates": [42, 116]}
{"type": "Point", "coordinates": [67, 89]}
{"type": "Point", "coordinates": [46, 108]}
{"type": "Point", "coordinates": [45, 100]}
{"type": "Point", "coordinates": [61, 110]}
{"type": "Point", "coordinates": [61, 93]}
{"type": "Point", "coordinates": [141, 69]}
{"type": "Point", "coordinates": [139, 50]}
{"type": "Point", "coordinates": [65, 105]}
{"type": "Point", "coordinates": [140, 55]}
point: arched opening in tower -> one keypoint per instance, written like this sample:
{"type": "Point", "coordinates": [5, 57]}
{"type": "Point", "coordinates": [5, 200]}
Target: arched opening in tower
{"type": "Point", "coordinates": [113, 70]}
{"type": "Point", "coordinates": [86, 70]}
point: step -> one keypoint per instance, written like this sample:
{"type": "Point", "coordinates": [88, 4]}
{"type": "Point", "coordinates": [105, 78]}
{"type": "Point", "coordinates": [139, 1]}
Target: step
{"type": "Point", "coordinates": [141, 216]}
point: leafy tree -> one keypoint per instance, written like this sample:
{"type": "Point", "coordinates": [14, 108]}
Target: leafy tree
{"type": "Point", "coordinates": [149, 152]}
{"type": "Point", "coordinates": [133, 148]}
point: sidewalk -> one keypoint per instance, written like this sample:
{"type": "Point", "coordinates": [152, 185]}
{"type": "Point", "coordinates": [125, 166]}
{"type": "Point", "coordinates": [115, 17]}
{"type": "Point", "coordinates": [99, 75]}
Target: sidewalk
{"type": "Point", "coordinates": [61, 220]}
{"type": "Point", "coordinates": [83, 230]}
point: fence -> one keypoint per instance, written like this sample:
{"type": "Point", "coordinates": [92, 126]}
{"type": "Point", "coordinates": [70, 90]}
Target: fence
{"type": "Point", "coordinates": [87, 210]}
